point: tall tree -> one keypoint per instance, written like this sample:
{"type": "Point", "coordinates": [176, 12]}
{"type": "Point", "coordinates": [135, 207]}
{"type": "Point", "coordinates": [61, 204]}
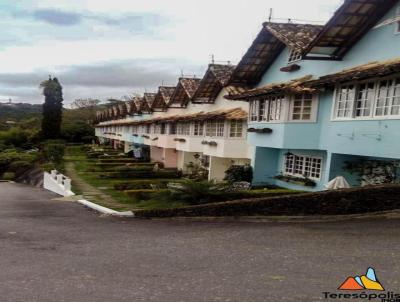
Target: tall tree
{"type": "Point", "coordinates": [52, 108]}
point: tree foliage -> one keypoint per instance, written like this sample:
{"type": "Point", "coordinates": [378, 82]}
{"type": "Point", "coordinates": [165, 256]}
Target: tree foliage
{"type": "Point", "coordinates": [85, 103]}
{"type": "Point", "coordinates": [52, 108]}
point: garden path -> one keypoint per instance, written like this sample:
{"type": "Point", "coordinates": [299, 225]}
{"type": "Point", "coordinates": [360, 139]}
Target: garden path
{"type": "Point", "coordinates": [90, 192]}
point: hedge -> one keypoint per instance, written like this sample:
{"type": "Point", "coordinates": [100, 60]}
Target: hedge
{"type": "Point", "coordinates": [140, 195]}
{"type": "Point", "coordinates": [143, 184]}
{"type": "Point", "coordinates": [338, 202]}
{"type": "Point", "coordinates": [141, 174]}
{"type": "Point", "coordinates": [118, 160]}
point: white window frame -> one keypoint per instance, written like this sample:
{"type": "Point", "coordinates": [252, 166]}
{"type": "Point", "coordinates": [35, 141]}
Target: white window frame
{"type": "Point", "coordinates": [254, 110]}
{"type": "Point", "coordinates": [304, 159]}
{"type": "Point", "coordinates": [172, 128]}
{"type": "Point", "coordinates": [183, 128]}
{"type": "Point", "coordinates": [375, 97]}
{"type": "Point", "coordinates": [264, 110]}
{"type": "Point", "coordinates": [313, 109]}
{"type": "Point", "coordinates": [236, 129]}
{"type": "Point", "coordinates": [198, 128]}
{"type": "Point", "coordinates": [215, 128]}
{"type": "Point", "coordinates": [295, 55]}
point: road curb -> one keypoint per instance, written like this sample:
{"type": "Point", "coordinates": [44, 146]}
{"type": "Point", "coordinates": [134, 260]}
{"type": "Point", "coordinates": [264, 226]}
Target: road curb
{"type": "Point", "coordinates": [395, 214]}
{"type": "Point", "coordinates": [104, 210]}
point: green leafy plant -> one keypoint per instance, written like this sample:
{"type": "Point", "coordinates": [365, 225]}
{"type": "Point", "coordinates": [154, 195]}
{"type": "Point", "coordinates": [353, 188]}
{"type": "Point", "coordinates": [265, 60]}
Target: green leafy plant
{"type": "Point", "coordinates": [53, 151]}
{"type": "Point", "coordinates": [193, 192]}
{"type": "Point", "coordinates": [237, 173]}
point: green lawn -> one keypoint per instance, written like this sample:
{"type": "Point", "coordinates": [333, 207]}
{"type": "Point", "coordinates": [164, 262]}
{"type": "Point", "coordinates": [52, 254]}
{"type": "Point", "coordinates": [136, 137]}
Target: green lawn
{"type": "Point", "coordinates": [78, 167]}
{"type": "Point", "coordinates": [76, 155]}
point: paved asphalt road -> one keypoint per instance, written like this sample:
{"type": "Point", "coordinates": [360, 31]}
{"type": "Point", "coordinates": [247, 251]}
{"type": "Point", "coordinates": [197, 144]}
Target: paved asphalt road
{"type": "Point", "coordinates": [59, 251]}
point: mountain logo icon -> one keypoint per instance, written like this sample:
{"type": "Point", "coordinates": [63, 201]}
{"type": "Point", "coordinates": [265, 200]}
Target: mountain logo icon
{"type": "Point", "coordinates": [367, 281]}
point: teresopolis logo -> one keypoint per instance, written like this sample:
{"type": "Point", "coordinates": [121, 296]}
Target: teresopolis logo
{"type": "Point", "coordinates": [365, 288]}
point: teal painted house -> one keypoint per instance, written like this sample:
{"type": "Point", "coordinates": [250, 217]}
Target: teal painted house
{"type": "Point", "coordinates": [325, 100]}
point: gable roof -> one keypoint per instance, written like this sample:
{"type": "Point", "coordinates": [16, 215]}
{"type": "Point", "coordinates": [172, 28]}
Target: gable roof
{"type": "Point", "coordinates": [131, 106]}
{"type": "Point", "coordinates": [268, 44]}
{"type": "Point", "coordinates": [184, 91]}
{"type": "Point", "coordinates": [123, 110]}
{"type": "Point", "coordinates": [347, 26]}
{"type": "Point", "coordinates": [215, 78]}
{"type": "Point", "coordinates": [291, 87]}
{"type": "Point", "coordinates": [162, 98]}
{"type": "Point", "coordinates": [146, 102]}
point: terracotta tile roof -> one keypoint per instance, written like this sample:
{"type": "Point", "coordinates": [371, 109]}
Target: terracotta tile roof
{"type": "Point", "coordinates": [222, 73]}
{"type": "Point", "coordinates": [190, 85]}
{"type": "Point", "coordinates": [184, 91]}
{"type": "Point", "coordinates": [149, 98]}
{"type": "Point", "coordinates": [162, 98]}
{"type": "Point", "coordinates": [361, 72]}
{"type": "Point", "coordinates": [291, 87]}
{"type": "Point", "coordinates": [123, 110]}
{"type": "Point", "coordinates": [131, 105]}
{"type": "Point", "coordinates": [348, 25]}
{"type": "Point", "coordinates": [146, 102]}
{"type": "Point", "coordinates": [215, 78]}
{"type": "Point", "coordinates": [268, 44]}
{"type": "Point", "coordinates": [229, 114]}
{"type": "Point", "coordinates": [297, 36]}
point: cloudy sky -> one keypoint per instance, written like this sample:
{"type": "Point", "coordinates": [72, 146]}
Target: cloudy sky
{"type": "Point", "coordinates": [103, 48]}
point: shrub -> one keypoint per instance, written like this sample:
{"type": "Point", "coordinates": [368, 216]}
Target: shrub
{"type": "Point", "coordinates": [144, 184]}
{"type": "Point", "coordinates": [239, 173]}
{"type": "Point", "coordinates": [53, 151]}
{"type": "Point", "coordinates": [7, 157]}
{"type": "Point", "coordinates": [8, 176]}
{"type": "Point", "coordinates": [132, 168]}
{"type": "Point", "coordinates": [193, 192]}
{"type": "Point", "coordinates": [118, 160]}
{"type": "Point", "coordinates": [19, 166]}
{"type": "Point", "coordinates": [141, 174]}
{"type": "Point", "coordinates": [143, 194]}
{"type": "Point", "coordinates": [15, 137]}
{"type": "Point", "coordinates": [337, 202]}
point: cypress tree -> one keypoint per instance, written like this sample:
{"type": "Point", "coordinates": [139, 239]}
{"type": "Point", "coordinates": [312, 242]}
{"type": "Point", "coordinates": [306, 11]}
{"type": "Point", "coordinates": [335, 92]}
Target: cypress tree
{"type": "Point", "coordinates": [52, 108]}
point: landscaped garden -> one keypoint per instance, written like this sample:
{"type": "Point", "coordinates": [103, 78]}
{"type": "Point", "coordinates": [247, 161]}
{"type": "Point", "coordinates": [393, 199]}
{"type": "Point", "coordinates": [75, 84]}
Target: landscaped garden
{"type": "Point", "coordinates": [113, 179]}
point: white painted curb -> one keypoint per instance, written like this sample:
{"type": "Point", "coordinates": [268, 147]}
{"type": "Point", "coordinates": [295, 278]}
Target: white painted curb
{"type": "Point", "coordinates": [105, 210]}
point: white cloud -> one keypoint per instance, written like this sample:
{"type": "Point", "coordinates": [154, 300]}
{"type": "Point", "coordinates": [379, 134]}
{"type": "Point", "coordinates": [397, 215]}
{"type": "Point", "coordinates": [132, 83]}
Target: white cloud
{"type": "Point", "coordinates": [199, 28]}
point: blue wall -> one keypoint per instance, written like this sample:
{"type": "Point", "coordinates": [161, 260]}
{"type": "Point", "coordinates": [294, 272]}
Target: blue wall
{"type": "Point", "coordinates": [368, 137]}
{"type": "Point", "coordinates": [377, 45]}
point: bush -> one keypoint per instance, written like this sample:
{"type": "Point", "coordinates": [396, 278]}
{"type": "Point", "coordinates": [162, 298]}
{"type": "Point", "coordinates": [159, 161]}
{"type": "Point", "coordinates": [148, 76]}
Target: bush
{"type": "Point", "coordinates": [15, 137]}
{"type": "Point", "coordinates": [53, 151]}
{"type": "Point", "coordinates": [193, 192]}
{"type": "Point", "coordinates": [239, 173]}
{"type": "Point", "coordinates": [7, 157]}
{"type": "Point", "coordinates": [141, 174]}
{"type": "Point", "coordinates": [19, 166]}
{"type": "Point", "coordinates": [144, 184]}
{"type": "Point", "coordinates": [132, 168]}
{"type": "Point", "coordinates": [8, 176]}
{"type": "Point", "coordinates": [144, 194]}
{"type": "Point", "coordinates": [119, 160]}
{"type": "Point", "coordinates": [80, 132]}
{"type": "Point", "coordinates": [338, 202]}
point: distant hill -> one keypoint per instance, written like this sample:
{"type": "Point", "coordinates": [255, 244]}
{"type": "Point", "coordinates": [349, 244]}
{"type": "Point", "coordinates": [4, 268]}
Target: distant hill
{"type": "Point", "coordinates": [18, 111]}
{"type": "Point", "coordinates": [19, 114]}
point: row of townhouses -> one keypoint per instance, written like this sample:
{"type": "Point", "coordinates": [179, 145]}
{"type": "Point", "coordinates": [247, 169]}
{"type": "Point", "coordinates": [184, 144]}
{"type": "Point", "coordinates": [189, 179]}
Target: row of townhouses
{"type": "Point", "coordinates": [305, 104]}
